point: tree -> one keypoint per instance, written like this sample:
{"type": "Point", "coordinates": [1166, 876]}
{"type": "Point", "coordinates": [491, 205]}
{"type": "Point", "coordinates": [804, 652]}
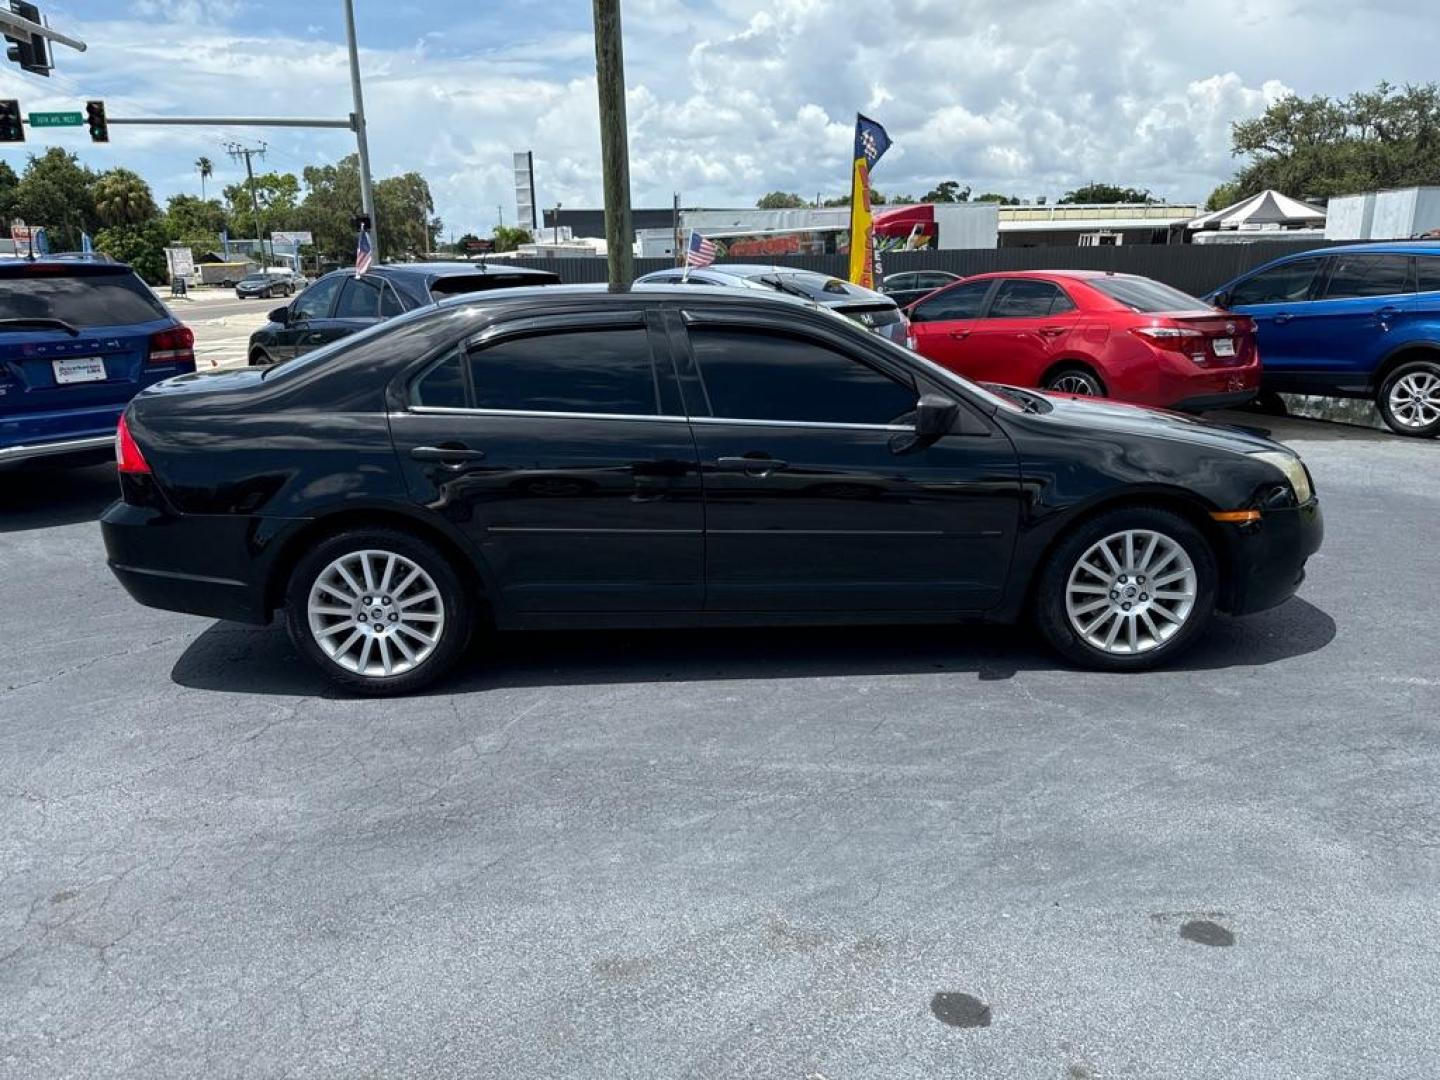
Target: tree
{"type": "Point", "coordinates": [1223, 196]}
{"type": "Point", "coordinates": [9, 193]}
{"type": "Point", "coordinates": [206, 168]}
{"type": "Point", "coordinates": [332, 198]}
{"type": "Point", "coordinates": [142, 246]}
{"type": "Point", "coordinates": [406, 212]}
{"type": "Point", "coordinates": [510, 237]}
{"type": "Point", "coordinates": [781, 200]}
{"type": "Point", "coordinates": [1094, 192]}
{"type": "Point", "coordinates": [947, 191]}
{"type": "Point", "coordinates": [54, 191]}
{"type": "Point", "coordinates": [1003, 200]}
{"type": "Point", "coordinates": [122, 198]}
{"type": "Point", "coordinates": [277, 194]}
{"type": "Point", "coordinates": [196, 223]}
{"type": "Point", "coordinates": [1318, 147]}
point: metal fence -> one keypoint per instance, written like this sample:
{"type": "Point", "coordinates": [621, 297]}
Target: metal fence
{"type": "Point", "coordinates": [1192, 268]}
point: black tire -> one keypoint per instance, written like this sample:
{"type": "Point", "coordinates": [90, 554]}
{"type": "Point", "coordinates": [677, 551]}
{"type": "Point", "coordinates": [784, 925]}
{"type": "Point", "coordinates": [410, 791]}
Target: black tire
{"type": "Point", "coordinates": [1049, 602]}
{"type": "Point", "coordinates": [1392, 412]}
{"type": "Point", "coordinates": [1073, 376]}
{"type": "Point", "coordinates": [1270, 403]}
{"type": "Point", "coordinates": [455, 605]}
{"type": "Point", "coordinates": [260, 358]}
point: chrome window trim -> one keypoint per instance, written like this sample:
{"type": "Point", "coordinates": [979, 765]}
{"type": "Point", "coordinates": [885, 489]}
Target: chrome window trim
{"type": "Point", "coordinates": [450, 410]}
{"type": "Point", "coordinates": [453, 410]}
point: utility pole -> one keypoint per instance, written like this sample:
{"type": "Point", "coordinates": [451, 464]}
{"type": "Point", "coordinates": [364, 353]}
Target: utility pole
{"type": "Point", "coordinates": [236, 151]}
{"type": "Point", "coordinates": [362, 144]}
{"type": "Point", "coordinates": [675, 226]}
{"type": "Point", "coordinates": [614, 143]}
{"type": "Point", "coordinates": [557, 223]}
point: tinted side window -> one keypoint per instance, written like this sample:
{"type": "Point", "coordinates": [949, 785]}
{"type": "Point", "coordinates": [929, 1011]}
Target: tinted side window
{"type": "Point", "coordinates": [1277, 285]}
{"type": "Point", "coordinates": [754, 375]}
{"type": "Point", "coordinates": [583, 371]}
{"type": "Point", "coordinates": [1021, 299]}
{"type": "Point", "coordinates": [1427, 273]}
{"type": "Point", "coordinates": [390, 304]}
{"type": "Point", "coordinates": [314, 302]}
{"type": "Point", "coordinates": [1368, 275]}
{"type": "Point", "coordinates": [442, 385]}
{"type": "Point", "coordinates": [359, 299]}
{"type": "Point", "coordinates": [961, 302]}
{"type": "Point", "coordinates": [933, 281]}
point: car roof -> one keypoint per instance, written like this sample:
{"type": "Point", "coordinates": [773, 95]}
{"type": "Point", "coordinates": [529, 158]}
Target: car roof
{"type": "Point", "coordinates": [455, 269]}
{"type": "Point", "coordinates": [1386, 247]}
{"type": "Point", "coordinates": [49, 264]}
{"type": "Point", "coordinates": [602, 294]}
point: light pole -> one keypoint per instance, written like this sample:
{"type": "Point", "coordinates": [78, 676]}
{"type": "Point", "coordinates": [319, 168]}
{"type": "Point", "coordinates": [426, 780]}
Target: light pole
{"type": "Point", "coordinates": [362, 144]}
{"type": "Point", "coordinates": [614, 143]}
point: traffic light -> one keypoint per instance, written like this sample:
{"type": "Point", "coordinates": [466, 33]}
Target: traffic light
{"type": "Point", "coordinates": [30, 51]}
{"type": "Point", "coordinates": [95, 117]}
{"type": "Point", "coordinates": [12, 128]}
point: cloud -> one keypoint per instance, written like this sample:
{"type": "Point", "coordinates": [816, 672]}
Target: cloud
{"type": "Point", "coordinates": [729, 99]}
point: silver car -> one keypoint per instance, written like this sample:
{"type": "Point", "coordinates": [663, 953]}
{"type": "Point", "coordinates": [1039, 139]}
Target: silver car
{"type": "Point", "coordinates": [870, 309]}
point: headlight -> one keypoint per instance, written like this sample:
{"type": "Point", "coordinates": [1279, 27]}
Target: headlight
{"type": "Point", "coordinates": [1293, 468]}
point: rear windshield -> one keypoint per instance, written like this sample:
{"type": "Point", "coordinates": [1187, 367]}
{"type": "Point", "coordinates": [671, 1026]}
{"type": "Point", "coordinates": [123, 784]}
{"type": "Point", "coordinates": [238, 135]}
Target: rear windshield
{"type": "Point", "coordinates": [874, 314]}
{"type": "Point", "coordinates": [114, 299]}
{"type": "Point", "coordinates": [456, 284]}
{"type": "Point", "coordinates": [1142, 294]}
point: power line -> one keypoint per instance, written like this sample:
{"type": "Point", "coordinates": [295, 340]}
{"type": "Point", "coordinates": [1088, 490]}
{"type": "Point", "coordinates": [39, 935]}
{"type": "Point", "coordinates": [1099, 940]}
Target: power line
{"type": "Point", "coordinates": [236, 152]}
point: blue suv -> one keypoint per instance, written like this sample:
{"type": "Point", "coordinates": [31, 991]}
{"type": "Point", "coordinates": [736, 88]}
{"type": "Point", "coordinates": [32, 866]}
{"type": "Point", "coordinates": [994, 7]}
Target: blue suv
{"type": "Point", "coordinates": [78, 340]}
{"type": "Point", "coordinates": [1355, 321]}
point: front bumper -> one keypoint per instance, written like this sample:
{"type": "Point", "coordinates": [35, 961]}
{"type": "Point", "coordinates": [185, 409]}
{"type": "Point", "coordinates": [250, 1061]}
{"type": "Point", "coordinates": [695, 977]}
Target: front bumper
{"type": "Point", "coordinates": [1204, 402]}
{"type": "Point", "coordinates": [1267, 558]}
{"type": "Point", "coordinates": [199, 564]}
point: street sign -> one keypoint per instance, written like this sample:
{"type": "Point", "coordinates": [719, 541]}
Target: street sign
{"type": "Point", "coordinates": [479, 247]}
{"type": "Point", "coordinates": [57, 119]}
{"type": "Point", "coordinates": [298, 236]}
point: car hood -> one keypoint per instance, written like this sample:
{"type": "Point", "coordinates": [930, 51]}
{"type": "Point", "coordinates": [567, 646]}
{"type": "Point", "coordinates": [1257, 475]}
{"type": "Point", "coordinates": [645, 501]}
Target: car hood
{"type": "Point", "coordinates": [1101, 416]}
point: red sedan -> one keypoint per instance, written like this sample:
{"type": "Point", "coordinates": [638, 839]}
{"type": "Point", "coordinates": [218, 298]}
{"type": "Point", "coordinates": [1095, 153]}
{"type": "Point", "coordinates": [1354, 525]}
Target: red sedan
{"type": "Point", "coordinates": [1090, 332]}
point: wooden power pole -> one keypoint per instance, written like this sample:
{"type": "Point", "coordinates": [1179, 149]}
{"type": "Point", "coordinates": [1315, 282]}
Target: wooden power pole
{"type": "Point", "coordinates": [614, 143]}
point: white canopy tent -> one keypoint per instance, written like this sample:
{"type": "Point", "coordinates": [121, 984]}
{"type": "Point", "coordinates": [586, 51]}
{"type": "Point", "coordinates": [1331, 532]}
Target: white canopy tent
{"type": "Point", "coordinates": [1268, 210]}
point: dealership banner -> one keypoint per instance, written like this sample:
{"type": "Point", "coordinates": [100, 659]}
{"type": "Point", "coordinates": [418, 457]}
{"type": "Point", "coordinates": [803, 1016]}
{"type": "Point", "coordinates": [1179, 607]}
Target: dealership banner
{"type": "Point", "coordinates": [871, 142]}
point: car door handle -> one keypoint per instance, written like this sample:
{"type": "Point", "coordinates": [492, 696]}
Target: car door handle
{"type": "Point", "coordinates": [452, 457]}
{"type": "Point", "coordinates": [751, 466]}
{"type": "Point", "coordinates": [959, 335]}
{"type": "Point", "coordinates": [1387, 312]}
{"type": "Point", "coordinates": [1283, 317]}
{"type": "Point", "coordinates": [1051, 331]}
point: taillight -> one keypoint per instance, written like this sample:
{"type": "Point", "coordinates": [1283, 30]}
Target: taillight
{"type": "Point", "coordinates": [1181, 339]}
{"type": "Point", "coordinates": [128, 458]}
{"type": "Point", "coordinates": [173, 346]}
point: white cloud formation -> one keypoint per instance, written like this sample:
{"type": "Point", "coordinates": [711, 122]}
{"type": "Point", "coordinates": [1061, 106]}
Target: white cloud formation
{"type": "Point", "coordinates": [727, 101]}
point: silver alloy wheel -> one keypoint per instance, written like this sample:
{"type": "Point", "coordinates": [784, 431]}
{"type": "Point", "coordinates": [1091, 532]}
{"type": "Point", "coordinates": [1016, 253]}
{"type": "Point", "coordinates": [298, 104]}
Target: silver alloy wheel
{"type": "Point", "coordinates": [375, 613]}
{"type": "Point", "coordinates": [1415, 399]}
{"type": "Point", "coordinates": [1131, 592]}
{"type": "Point", "coordinates": [1075, 382]}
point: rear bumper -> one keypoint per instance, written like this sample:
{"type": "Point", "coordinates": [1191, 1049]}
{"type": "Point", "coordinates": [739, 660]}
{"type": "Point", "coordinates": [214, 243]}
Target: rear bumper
{"type": "Point", "coordinates": [196, 564]}
{"type": "Point", "coordinates": [1215, 401]}
{"type": "Point", "coordinates": [98, 445]}
{"type": "Point", "coordinates": [1267, 559]}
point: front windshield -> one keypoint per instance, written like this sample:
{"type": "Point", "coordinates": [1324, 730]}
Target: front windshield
{"type": "Point", "coordinates": [256, 279]}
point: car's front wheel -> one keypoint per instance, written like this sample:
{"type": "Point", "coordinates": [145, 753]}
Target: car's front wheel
{"type": "Point", "coordinates": [1129, 589]}
{"type": "Point", "coordinates": [1409, 399]}
{"type": "Point", "coordinates": [379, 611]}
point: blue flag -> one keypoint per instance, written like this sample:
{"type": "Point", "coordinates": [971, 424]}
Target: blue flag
{"type": "Point", "coordinates": [871, 140]}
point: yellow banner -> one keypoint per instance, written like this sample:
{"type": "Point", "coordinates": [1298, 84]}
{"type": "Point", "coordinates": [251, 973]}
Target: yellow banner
{"type": "Point", "coordinates": [862, 235]}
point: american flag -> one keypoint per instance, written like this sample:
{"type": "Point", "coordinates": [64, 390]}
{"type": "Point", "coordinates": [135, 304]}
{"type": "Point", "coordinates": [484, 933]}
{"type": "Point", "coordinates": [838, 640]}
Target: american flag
{"type": "Point", "coordinates": [363, 253]}
{"type": "Point", "coordinates": [700, 251]}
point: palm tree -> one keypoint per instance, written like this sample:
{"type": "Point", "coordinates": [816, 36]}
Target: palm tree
{"type": "Point", "coordinates": [123, 198]}
{"type": "Point", "coordinates": [207, 170]}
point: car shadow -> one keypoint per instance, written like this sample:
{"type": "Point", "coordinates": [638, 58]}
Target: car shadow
{"type": "Point", "coordinates": [232, 658]}
{"type": "Point", "coordinates": [43, 497]}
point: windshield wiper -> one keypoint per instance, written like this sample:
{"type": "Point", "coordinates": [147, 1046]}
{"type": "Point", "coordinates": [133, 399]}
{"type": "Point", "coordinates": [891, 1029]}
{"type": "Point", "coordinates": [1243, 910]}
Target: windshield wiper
{"type": "Point", "coordinates": [781, 285]}
{"type": "Point", "coordinates": [40, 323]}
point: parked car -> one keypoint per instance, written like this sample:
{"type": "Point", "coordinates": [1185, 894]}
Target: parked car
{"type": "Point", "coordinates": [677, 457]}
{"type": "Point", "coordinates": [339, 304]}
{"type": "Point", "coordinates": [1356, 321]}
{"type": "Point", "coordinates": [78, 338]}
{"type": "Point", "coordinates": [1090, 333]}
{"type": "Point", "coordinates": [870, 309]}
{"type": "Point", "coordinates": [263, 283]}
{"type": "Point", "coordinates": [907, 287]}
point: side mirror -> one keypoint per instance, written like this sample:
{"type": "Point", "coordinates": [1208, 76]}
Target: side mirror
{"type": "Point", "coordinates": [935, 416]}
{"type": "Point", "coordinates": [1221, 299]}
{"type": "Point", "coordinates": [280, 315]}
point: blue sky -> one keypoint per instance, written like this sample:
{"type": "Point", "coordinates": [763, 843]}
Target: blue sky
{"type": "Point", "coordinates": [726, 100]}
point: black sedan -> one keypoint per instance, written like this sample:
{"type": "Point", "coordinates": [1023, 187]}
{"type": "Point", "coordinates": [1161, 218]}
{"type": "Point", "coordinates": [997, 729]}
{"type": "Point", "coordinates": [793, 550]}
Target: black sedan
{"type": "Point", "coordinates": [666, 457]}
{"type": "Point", "coordinates": [263, 285]}
{"type": "Point", "coordinates": [340, 304]}
{"type": "Point", "coordinates": [911, 285]}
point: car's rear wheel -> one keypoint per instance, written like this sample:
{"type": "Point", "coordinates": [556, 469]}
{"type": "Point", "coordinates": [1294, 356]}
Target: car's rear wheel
{"type": "Point", "coordinates": [260, 358]}
{"type": "Point", "coordinates": [379, 611]}
{"type": "Point", "coordinates": [1129, 589]}
{"type": "Point", "coordinates": [1409, 399]}
{"type": "Point", "coordinates": [1077, 380]}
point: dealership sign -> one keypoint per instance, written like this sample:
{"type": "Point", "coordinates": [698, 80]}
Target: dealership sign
{"type": "Point", "coordinates": [293, 238]}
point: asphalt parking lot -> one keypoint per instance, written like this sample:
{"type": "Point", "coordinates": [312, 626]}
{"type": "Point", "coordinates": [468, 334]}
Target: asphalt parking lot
{"type": "Point", "coordinates": [810, 854]}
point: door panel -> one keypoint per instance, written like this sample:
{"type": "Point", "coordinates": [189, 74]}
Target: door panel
{"type": "Point", "coordinates": [574, 509]}
{"type": "Point", "coordinates": [942, 324]}
{"type": "Point", "coordinates": [1025, 329]}
{"type": "Point", "coordinates": [829, 511]}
